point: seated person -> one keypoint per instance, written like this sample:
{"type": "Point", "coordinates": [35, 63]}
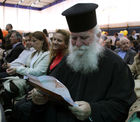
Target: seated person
{"type": "Point", "coordinates": [22, 57]}
{"type": "Point", "coordinates": [98, 80]}
{"type": "Point", "coordinates": [108, 44]}
{"type": "Point", "coordinates": [17, 48]}
{"type": "Point", "coordinates": [36, 65]}
{"type": "Point", "coordinates": [135, 69]}
{"type": "Point", "coordinates": [59, 47]}
{"type": "Point", "coordinates": [125, 52]}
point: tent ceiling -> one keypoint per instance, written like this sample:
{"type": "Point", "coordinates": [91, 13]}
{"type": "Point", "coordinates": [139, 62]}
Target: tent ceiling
{"type": "Point", "coordinates": [32, 3]}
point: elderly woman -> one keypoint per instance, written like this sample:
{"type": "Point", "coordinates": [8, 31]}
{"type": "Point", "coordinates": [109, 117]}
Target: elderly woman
{"type": "Point", "coordinates": [36, 65]}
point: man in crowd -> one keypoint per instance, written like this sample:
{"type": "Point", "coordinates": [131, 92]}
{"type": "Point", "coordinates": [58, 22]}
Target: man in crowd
{"type": "Point", "coordinates": [9, 27]}
{"type": "Point", "coordinates": [97, 79]}
{"type": "Point", "coordinates": [17, 48]}
{"type": "Point", "coordinates": [6, 41]}
{"type": "Point", "coordinates": [133, 36]}
{"type": "Point", "coordinates": [22, 58]}
{"type": "Point", "coordinates": [125, 52]}
{"type": "Point", "coordinates": [25, 53]}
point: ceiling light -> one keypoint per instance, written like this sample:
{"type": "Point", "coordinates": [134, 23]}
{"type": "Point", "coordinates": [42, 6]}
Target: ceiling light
{"type": "Point", "coordinates": [37, 1]}
{"type": "Point", "coordinates": [20, 1]}
{"type": "Point", "coordinates": [32, 4]}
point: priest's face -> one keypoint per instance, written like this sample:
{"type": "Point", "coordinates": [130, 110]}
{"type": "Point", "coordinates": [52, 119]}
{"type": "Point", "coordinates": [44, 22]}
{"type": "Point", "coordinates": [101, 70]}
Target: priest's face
{"type": "Point", "coordinates": [80, 41]}
{"type": "Point", "coordinates": [82, 38]}
{"type": "Point", "coordinates": [84, 50]}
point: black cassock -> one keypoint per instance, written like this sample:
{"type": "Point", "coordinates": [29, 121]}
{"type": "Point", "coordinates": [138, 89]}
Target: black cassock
{"type": "Point", "coordinates": [110, 90]}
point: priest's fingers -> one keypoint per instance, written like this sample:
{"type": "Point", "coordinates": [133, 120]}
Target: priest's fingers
{"type": "Point", "coordinates": [82, 111]}
{"type": "Point", "coordinates": [39, 98]}
{"type": "Point", "coordinates": [29, 96]}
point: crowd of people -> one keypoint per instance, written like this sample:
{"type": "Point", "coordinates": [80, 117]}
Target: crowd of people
{"type": "Point", "coordinates": [102, 76]}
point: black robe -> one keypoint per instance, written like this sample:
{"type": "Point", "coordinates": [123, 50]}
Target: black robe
{"type": "Point", "coordinates": [110, 90]}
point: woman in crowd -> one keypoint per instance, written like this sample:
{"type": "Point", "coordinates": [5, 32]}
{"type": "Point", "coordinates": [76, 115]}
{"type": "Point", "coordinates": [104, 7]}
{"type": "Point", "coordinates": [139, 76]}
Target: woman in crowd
{"type": "Point", "coordinates": [37, 64]}
{"type": "Point", "coordinates": [59, 49]}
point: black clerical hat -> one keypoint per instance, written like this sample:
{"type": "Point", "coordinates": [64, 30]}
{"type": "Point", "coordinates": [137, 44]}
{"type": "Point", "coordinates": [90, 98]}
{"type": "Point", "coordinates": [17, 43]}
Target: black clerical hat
{"type": "Point", "coordinates": [81, 17]}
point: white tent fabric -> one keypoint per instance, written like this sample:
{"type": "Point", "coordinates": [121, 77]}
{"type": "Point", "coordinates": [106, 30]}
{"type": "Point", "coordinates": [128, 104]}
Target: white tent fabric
{"type": "Point", "coordinates": [109, 12]}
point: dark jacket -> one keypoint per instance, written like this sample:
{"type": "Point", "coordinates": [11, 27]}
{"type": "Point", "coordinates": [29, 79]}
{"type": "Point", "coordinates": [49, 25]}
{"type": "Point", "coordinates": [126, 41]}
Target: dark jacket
{"type": "Point", "coordinates": [110, 92]}
{"type": "Point", "coordinates": [129, 57]}
{"type": "Point", "coordinates": [2, 115]}
{"type": "Point", "coordinates": [15, 52]}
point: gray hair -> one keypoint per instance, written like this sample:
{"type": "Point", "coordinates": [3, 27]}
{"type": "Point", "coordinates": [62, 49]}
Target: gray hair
{"type": "Point", "coordinates": [124, 39]}
{"type": "Point", "coordinates": [18, 35]}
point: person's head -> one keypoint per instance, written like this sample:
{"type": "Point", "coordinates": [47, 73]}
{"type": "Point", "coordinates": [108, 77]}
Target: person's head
{"type": "Point", "coordinates": [124, 43]}
{"type": "Point", "coordinates": [45, 32]}
{"type": "Point", "coordinates": [39, 41]}
{"type": "Point", "coordinates": [84, 49]}
{"type": "Point", "coordinates": [117, 44]}
{"type": "Point", "coordinates": [15, 37]}
{"type": "Point", "coordinates": [81, 19]}
{"type": "Point", "coordinates": [116, 34]}
{"type": "Point", "coordinates": [82, 38]}
{"type": "Point", "coordinates": [9, 27]}
{"type": "Point", "coordinates": [133, 32]}
{"type": "Point", "coordinates": [27, 40]}
{"type": "Point", "coordinates": [108, 43]}
{"type": "Point", "coordinates": [60, 41]}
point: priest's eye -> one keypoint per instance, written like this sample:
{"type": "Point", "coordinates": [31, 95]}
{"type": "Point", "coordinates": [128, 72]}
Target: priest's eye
{"type": "Point", "coordinates": [74, 38]}
{"type": "Point", "coordinates": [33, 40]}
{"type": "Point", "coordinates": [84, 37]}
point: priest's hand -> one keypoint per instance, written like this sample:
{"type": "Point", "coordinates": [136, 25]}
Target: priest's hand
{"type": "Point", "coordinates": [30, 94]}
{"type": "Point", "coordinates": [38, 97]}
{"type": "Point", "coordinates": [82, 111]}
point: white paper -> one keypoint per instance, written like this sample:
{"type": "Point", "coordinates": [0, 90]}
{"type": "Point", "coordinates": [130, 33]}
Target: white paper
{"type": "Point", "coordinates": [52, 84]}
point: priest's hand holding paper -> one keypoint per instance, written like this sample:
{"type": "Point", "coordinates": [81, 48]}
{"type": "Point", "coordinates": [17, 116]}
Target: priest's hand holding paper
{"type": "Point", "coordinates": [82, 111]}
{"type": "Point", "coordinates": [38, 97]}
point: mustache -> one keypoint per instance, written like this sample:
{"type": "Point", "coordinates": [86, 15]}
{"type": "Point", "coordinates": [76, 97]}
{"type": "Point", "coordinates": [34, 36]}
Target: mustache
{"type": "Point", "coordinates": [75, 48]}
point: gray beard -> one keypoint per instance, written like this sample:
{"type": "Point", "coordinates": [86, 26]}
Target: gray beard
{"type": "Point", "coordinates": [85, 59]}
